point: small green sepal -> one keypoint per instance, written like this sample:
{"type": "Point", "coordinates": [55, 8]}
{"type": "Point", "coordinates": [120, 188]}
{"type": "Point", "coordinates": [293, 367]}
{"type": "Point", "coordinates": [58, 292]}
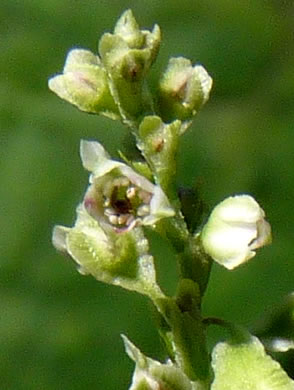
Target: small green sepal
{"type": "Point", "coordinates": [128, 29]}
{"type": "Point", "coordinates": [84, 84]}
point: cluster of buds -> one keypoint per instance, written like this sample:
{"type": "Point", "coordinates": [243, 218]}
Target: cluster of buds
{"type": "Point", "coordinates": [113, 83]}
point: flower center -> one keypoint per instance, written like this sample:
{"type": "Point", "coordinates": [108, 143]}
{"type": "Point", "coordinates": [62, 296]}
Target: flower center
{"type": "Point", "coordinates": [125, 203]}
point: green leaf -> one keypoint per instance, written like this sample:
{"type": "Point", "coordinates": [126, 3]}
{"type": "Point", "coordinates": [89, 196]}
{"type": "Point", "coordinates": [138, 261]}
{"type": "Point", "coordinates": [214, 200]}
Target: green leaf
{"type": "Point", "coordinates": [245, 366]}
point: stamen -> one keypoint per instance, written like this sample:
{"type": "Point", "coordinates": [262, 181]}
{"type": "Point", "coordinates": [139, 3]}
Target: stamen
{"type": "Point", "coordinates": [113, 219]}
{"type": "Point", "coordinates": [131, 192]}
{"type": "Point", "coordinates": [122, 219]}
{"type": "Point", "coordinates": [106, 202]}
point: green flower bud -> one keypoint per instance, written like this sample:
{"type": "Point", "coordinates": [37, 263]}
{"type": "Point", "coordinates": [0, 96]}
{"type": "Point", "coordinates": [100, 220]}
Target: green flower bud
{"type": "Point", "coordinates": [183, 89]}
{"type": "Point", "coordinates": [159, 144]}
{"type": "Point", "coordinates": [127, 54]}
{"type": "Point", "coordinates": [112, 258]}
{"type": "Point", "coordinates": [235, 229]}
{"type": "Point", "coordinates": [152, 375]}
{"type": "Point", "coordinates": [128, 30]}
{"type": "Point", "coordinates": [118, 197]}
{"type": "Point", "coordinates": [84, 83]}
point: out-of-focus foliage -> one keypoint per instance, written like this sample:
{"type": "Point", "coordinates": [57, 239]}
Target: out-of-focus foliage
{"type": "Point", "coordinates": [59, 330]}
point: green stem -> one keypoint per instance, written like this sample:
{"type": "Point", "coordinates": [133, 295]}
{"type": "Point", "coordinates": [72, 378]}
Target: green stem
{"type": "Point", "coordinates": [195, 264]}
{"type": "Point", "coordinates": [188, 341]}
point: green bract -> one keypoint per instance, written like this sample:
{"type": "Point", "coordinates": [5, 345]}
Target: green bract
{"type": "Point", "coordinates": [84, 83]}
{"type": "Point", "coordinates": [235, 228]}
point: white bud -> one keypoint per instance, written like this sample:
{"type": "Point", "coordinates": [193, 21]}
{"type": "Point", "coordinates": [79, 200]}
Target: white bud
{"type": "Point", "coordinates": [235, 228]}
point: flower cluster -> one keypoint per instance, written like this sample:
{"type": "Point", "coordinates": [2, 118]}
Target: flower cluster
{"type": "Point", "coordinates": [123, 198]}
{"type": "Point", "coordinates": [113, 82]}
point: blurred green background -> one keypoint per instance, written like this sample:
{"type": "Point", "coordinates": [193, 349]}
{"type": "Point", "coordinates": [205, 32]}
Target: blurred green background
{"type": "Point", "coordinates": [59, 330]}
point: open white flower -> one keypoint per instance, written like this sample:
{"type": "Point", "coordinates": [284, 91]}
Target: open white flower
{"type": "Point", "coordinates": [118, 197]}
{"type": "Point", "coordinates": [235, 229]}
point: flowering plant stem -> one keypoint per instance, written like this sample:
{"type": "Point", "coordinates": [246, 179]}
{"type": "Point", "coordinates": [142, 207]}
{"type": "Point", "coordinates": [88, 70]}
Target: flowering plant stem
{"type": "Point", "coordinates": [124, 198]}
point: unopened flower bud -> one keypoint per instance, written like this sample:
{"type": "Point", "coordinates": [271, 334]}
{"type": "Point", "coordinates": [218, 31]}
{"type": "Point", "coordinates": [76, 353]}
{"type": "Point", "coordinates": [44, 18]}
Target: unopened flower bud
{"type": "Point", "coordinates": [127, 54]}
{"type": "Point", "coordinates": [84, 84]}
{"type": "Point", "coordinates": [118, 197]}
{"type": "Point", "coordinates": [235, 229]}
{"type": "Point", "coordinates": [183, 89]}
{"type": "Point", "coordinates": [129, 31]}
